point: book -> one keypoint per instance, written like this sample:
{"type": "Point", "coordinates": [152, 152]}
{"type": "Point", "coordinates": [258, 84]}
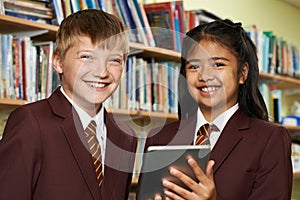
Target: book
{"type": "Point", "coordinates": [146, 26]}
{"type": "Point", "coordinates": [276, 96]}
{"type": "Point", "coordinates": [47, 66]}
{"type": "Point", "coordinates": [17, 68]}
{"type": "Point", "coordinates": [66, 7]}
{"type": "Point", "coordinates": [58, 10]}
{"type": "Point", "coordinates": [161, 19]}
{"type": "Point", "coordinates": [75, 6]}
{"type": "Point", "coordinates": [138, 21]}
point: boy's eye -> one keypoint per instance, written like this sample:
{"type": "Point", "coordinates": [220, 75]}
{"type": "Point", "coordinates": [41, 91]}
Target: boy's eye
{"type": "Point", "coordinates": [86, 57]}
{"type": "Point", "coordinates": [116, 61]}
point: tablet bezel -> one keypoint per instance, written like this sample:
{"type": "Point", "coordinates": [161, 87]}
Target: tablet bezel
{"type": "Point", "coordinates": [158, 160]}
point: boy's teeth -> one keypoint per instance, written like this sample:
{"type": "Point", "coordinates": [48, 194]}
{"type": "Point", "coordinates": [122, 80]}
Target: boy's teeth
{"type": "Point", "coordinates": [97, 85]}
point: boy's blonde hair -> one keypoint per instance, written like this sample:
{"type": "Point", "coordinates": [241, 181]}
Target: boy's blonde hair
{"type": "Point", "coordinates": [96, 24]}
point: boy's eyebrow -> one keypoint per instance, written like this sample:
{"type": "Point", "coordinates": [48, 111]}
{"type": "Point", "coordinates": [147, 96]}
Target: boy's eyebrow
{"type": "Point", "coordinates": [84, 50]}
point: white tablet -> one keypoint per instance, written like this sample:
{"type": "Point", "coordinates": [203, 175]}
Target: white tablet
{"type": "Point", "coordinates": [158, 160]}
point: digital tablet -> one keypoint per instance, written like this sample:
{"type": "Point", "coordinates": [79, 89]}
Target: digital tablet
{"type": "Point", "coordinates": [158, 160]}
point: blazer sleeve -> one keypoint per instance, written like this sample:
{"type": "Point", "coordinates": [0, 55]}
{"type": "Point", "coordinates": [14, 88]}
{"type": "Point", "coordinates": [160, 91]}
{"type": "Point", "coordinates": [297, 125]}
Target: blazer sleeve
{"type": "Point", "coordinates": [274, 177]}
{"type": "Point", "coordinates": [20, 155]}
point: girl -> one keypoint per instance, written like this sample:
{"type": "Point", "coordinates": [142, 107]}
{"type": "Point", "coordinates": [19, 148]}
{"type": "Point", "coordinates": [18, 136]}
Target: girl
{"type": "Point", "coordinates": [250, 157]}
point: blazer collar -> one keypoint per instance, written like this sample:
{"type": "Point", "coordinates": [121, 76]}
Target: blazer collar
{"type": "Point", "coordinates": [73, 130]}
{"type": "Point", "coordinates": [229, 138]}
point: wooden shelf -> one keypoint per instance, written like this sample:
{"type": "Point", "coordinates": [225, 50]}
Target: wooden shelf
{"type": "Point", "coordinates": [281, 81]}
{"type": "Point", "coordinates": [7, 104]}
{"type": "Point", "coordinates": [9, 24]}
{"type": "Point", "coordinates": [11, 102]}
{"type": "Point", "coordinates": [159, 54]}
{"type": "Point", "coordinates": [296, 175]}
{"type": "Point", "coordinates": [292, 128]}
{"type": "Point", "coordinates": [135, 114]}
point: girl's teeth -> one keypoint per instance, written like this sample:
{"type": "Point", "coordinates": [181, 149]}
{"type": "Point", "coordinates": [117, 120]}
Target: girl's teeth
{"type": "Point", "coordinates": [209, 89]}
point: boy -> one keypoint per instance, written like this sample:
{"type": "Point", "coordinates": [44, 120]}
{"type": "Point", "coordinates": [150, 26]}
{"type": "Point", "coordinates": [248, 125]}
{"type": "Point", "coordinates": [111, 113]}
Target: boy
{"type": "Point", "coordinates": [45, 152]}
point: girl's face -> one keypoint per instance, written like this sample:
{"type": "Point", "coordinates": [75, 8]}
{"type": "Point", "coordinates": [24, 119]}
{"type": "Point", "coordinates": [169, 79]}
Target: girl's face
{"type": "Point", "coordinates": [213, 79]}
{"type": "Point", "coordinates": [90, 73]}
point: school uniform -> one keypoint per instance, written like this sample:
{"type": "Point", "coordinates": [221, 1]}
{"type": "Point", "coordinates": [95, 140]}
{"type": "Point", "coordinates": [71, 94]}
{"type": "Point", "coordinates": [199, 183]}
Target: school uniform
{"type": "Point", "coordinates": [43, 156]}
{"type": "Point", "coordinates": [252, 157]}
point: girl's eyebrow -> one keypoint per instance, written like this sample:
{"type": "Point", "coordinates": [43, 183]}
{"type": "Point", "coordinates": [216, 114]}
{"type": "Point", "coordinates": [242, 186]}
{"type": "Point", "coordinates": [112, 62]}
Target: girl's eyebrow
{"type": "Point", "coordinates": [212, 58]}
{"type": "Point", "coordinates": [192, 60]}
{"type": "Point", "coordinates": [220, 58]}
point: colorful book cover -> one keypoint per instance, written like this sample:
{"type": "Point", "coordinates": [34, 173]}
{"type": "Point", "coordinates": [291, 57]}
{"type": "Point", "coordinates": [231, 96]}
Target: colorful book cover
{"type": "Point", "coordinates": [161, 19]}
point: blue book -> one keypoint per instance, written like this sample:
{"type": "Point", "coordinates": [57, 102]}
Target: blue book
{"type": "Point", "coordinates": [90, 4]}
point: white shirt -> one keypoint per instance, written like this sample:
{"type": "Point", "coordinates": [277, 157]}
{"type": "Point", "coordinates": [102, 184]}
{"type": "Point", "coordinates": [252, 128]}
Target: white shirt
{"type": "Point", "coordinates": [220, 122]}
{"type": "Point", "coordinates": [85, 119]}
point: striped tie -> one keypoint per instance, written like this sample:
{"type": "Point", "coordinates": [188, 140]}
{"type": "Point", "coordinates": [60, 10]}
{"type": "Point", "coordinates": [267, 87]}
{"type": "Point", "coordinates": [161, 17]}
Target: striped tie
{"type": "Point", "coordinates": [95, 150]}
{"type": "Point", "coordinates": [203, 135]}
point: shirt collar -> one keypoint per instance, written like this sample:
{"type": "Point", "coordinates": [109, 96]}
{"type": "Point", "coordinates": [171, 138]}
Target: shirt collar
{"type": "Point", "coordinates": [84, 117]}
{"type": "Point", "coordinates": [220, 121]}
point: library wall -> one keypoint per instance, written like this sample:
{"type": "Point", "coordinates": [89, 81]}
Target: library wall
{"type": "Point", "coordinates": [270, 15]}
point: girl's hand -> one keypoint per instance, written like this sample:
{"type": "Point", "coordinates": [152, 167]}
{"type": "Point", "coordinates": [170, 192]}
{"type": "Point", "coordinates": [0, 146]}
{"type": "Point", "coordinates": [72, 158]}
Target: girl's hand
{"type": "Point", "coordinates": [202, 190]}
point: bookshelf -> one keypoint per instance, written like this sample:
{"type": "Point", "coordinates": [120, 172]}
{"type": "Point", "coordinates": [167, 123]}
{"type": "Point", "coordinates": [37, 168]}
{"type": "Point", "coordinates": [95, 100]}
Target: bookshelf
{"type": "Point", "coordinates": [46, 32]}
{"type": "Point", "coordinates": [9, 24]}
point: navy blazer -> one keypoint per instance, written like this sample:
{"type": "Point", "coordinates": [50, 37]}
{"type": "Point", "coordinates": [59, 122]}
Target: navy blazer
{"type": "Point", "coordinates": [252, 157]}
{"type": "Point", "coordinates": [42, 156]}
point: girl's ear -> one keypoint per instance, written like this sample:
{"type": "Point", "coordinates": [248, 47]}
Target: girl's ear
{"type": "Point", "coordinates": [57, 64]}
{"type": "Point", "coordinates": [244, 73]}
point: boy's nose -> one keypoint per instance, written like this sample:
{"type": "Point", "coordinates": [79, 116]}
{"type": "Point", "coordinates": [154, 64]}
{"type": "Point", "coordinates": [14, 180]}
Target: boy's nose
{"type": "Point", "coordinates": [100, 70]}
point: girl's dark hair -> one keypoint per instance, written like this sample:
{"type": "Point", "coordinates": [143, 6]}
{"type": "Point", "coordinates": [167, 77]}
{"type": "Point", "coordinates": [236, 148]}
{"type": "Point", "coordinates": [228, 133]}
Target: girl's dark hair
{"type": "Point", "coordinates": [233, 37]}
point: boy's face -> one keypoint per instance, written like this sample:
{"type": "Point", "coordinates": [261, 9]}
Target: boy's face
{"type": "Point", "coordinates": [90, 73]}
{"type": "Point", "coordinates": [212, 78]}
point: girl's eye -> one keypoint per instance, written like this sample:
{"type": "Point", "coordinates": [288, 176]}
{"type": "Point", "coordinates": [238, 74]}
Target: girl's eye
{"type": "Point", "coordinates": [218, 64]}
{"type": "Point", "coordinates": [193, 67]}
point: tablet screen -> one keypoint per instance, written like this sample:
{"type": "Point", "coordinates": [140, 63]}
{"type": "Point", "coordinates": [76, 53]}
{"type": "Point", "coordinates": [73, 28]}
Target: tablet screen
{"type": "Point", "coordinates": [158, 160]}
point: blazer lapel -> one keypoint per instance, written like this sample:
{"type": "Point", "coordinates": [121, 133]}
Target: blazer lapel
{"type": "Point", "coordinates": [74, 133]}
{"type": "Point", "coordinates": [113, 158]}
{"type": "Point", "coordinates": [186, 132]}
{"type": "Point", "coordinates": [229, 138]}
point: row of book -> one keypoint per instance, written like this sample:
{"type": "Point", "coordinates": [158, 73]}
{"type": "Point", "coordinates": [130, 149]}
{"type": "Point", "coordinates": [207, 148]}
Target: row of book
{"type": "Point", "coordinates": [147, 86]}
{"type": "Point", "coordinates": [156, 24]}
{"type": "Point", "coordinates": [35, 10]}
{"type": "Point", "coordinates": [26, 68]}
{"type": "Point", "coordinates": [27, 74]}
{"type": "Point", "coordinates": [275, 55]}
{"type": "Point", "coordinates": [273, 100]}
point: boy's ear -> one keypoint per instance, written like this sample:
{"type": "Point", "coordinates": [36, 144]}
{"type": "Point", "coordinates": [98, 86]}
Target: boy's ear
{"type": "Point", "coordinates": [244, 73]}
{"type": "Point", "coordinates": [57, 65]}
